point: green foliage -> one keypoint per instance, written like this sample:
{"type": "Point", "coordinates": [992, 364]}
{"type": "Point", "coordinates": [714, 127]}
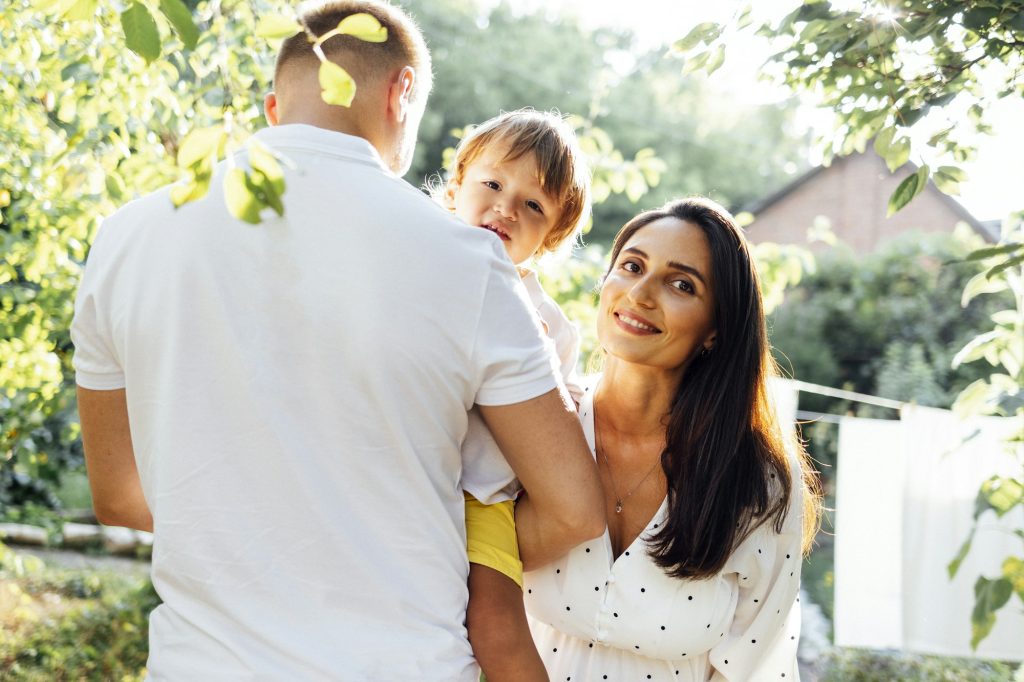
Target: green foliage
{"type": "Point", "coordinates": [884, 324]}
{"type": "Point", "coordinates": [856, 665]}
{"type": "Point", "coordinates": [905, 192]}
{"type": "Point", "coordinates": [575, 283]}
{"type": "Point", "coordinates": [678, 136]}
{"type": "Point", "coordinates": [1000, 393]}
{"type": "Point", "coordinates": [885, 68]}
{"type": "Point", "coordinates": [86, 127]}
{"type": "Point", "coordinates": [72, 625]}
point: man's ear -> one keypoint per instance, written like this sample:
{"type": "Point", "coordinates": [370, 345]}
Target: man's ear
{"type": "Point", "coordinates": [270, 109]}
{"type": "Point", "coordinates": [400, 94]}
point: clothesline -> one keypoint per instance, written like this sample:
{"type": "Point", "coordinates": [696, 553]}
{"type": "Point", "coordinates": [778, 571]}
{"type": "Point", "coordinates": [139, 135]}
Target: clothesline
{"type": "Point", "coordinates": [847, 395]}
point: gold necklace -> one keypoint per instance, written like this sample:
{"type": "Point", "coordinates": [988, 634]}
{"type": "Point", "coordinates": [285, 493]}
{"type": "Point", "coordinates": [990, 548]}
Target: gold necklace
{"type": "Point", "coordinates": [619, 499]}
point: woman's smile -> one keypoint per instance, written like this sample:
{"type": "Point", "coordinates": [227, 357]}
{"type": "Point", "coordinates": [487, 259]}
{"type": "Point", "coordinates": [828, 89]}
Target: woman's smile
{"type": "Point", "coordinates": [634, 324]}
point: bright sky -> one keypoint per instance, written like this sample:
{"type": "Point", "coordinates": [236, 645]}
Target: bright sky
{"type": "Point", "coordinates": [995, 184]}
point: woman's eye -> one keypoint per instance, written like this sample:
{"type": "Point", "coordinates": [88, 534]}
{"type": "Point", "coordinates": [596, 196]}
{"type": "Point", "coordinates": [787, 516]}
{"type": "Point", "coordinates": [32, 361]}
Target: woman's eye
{"type": "Point", "coordinates": [492, 184]}
{"type": "Point", "coordinates": [683, 285]}
{"type": "Point", "coordinates": [535, 206]}
{"type": "Point", "coordinates": [630, 266]}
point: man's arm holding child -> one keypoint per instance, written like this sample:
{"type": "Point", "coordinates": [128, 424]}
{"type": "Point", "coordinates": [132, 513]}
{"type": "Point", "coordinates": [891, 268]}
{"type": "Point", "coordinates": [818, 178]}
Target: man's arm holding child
{"type": "Point", "coordinates": [544, 444]}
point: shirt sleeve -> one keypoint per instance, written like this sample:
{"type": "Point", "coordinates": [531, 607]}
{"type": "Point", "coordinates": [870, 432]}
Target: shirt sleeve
{"type": "Point", "coordinates": [509, 350]}
{"type": "Point", "coordinates": [96, 362]}
{"type": "Point", "coordinates": [762, 642]}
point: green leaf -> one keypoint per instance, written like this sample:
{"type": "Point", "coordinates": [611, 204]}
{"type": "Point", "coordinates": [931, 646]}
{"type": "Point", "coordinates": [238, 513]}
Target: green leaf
{"type": "Point", "coordinates": [977, 285]}
{"type": "Point", "coordinates": [140, 32]}
{"type": "Point", "coordinates": [192, 190]}
{"type": "Point", "coordinates": [201, 144]}
{"type": "Point", "coordinates": [961, 554]}
{"type": "Point", "coordinates": [1003, 494]}
{"type": "Point", "coordinates": [338, 87]}
{"type": "Point", "coordinates": [1005, 265]}
{"type": "Point", "coordinates": [695, 62]}
{"type": "Point", "coordinates": [946, 182]}
{"type": "Point", "coordinates": [898, 153]}
{"type": "Point", "coordinates": [989, 597]}
{"type": "Point", "coordinates": [972, 399]}
{"type": "Point", "coordinates": [716, 59]}
{"type": "Point", "coordinates": [883, 140]}
{"type": "Point", "coordinates": [181, 19]}
{"type": "Point", "coordinates": [276, 27]}
{"type": "Point", "coordinates": [908, 189]}
{"type": "Point", "coordinates": [240, 199]}
{"type": "Point", "coordinates": [698, 34]}
{"type": "Point", "coordinates": [953, 172]}
{"type": "Point", "coordinates": [363, 26]}
{"type": "Point", "coordinates": [82, 10]}
{"type": "Point", "coordinates": [1013, 570]}
{"type": "Point", "coordinates": [744, 19]}
{"type": "Point", "coordinates": [989, 251]}
{"type": "Point", "coordinates": [263, 160]}
{"type": "Point", "coordinates": [115, 185]}
{"type": "Point", "coordinates": [948, 179]}
{"type": "Point", "coordinates": [975, 348]}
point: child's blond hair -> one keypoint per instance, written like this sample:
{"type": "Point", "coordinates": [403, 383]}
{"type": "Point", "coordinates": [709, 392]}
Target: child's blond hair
{"type": "Point", "coordinates": [561, 168]}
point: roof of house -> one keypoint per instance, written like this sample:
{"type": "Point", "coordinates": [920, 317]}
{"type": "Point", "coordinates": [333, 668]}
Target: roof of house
{"type": "Point", "coordinates": [989, 229]}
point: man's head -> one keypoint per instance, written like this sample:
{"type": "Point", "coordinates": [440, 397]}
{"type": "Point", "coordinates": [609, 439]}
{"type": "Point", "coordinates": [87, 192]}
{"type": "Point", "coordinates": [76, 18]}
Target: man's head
{"type": "Point", "coordinates": [392, 78]}
{"type": "Point", "coordinates": [522, 175]}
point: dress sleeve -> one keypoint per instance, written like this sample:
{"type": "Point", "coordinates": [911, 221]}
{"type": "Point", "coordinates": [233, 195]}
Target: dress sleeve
{"type": "Point", "coordinates": [762, 641]}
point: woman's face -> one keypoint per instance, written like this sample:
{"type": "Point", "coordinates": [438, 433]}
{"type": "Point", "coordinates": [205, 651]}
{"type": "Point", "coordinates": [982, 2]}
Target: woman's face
{"type": "Point", "coordinates": [657, 302]}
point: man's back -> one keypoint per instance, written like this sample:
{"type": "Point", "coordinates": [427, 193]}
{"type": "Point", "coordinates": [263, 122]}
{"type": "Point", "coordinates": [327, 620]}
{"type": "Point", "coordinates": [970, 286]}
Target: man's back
{"type": "Point", "coordinates": [297, 392]}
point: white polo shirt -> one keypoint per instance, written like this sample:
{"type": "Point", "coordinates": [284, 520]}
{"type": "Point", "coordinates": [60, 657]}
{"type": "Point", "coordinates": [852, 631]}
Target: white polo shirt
{"type": "Point", "coordinates": [298, 393]}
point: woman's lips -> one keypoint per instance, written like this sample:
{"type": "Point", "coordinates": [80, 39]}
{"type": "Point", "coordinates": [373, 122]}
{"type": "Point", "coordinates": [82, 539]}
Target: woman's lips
{"type": "Point", "coordinates": [635, 324]}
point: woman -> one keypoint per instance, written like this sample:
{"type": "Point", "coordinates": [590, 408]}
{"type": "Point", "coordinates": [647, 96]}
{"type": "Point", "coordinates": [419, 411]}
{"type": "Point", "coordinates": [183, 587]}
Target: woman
{"type": "Point", "coordinates": [698, 575]}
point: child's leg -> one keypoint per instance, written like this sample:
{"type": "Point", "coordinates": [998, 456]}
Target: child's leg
{"type": "Point", "coordinates": [498, 631]}
{"type": "Point", "coordinates": [496, 617]}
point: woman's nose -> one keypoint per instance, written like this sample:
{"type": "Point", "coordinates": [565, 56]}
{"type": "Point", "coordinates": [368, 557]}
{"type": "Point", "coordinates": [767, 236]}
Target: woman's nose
{"type": "Point", "coordinates": [640, 293]}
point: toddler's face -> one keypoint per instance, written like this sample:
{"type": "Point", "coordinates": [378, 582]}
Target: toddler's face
{"type": "Point", "coordinates": [506, 198]}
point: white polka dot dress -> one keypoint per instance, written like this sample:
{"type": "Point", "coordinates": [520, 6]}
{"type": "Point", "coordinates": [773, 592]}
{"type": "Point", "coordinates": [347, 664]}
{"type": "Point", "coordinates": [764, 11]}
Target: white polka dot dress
{"type": "Point", "coordinates": [595, 618]}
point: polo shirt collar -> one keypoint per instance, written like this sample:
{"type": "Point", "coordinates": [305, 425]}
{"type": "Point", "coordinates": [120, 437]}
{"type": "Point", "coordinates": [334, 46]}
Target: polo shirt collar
{"type": "Point", "coordinates": [302, 137]}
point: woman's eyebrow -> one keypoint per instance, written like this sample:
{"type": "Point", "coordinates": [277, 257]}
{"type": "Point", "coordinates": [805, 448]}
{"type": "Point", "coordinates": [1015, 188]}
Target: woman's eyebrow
{"type": "Point", "coordinates": [675, 265]}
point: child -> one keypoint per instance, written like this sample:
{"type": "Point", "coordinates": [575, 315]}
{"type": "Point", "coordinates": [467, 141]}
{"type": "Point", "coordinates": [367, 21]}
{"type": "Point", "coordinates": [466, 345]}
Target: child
{"type": "Point", "coordinates": [522, 176]}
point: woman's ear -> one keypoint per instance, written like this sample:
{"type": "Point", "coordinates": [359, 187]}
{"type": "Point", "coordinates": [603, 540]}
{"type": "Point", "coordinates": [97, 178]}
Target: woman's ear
{"type": "Point", "coordinates": [709, 342]}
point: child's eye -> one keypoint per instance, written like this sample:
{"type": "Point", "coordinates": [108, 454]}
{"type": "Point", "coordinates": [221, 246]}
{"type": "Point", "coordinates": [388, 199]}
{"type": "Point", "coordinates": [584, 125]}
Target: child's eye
{"type": "Point", "coordinates": [492, 184]}
{"type": "Point", "coordinates": [534, 206]}
{"type": "Point", "coordinates": [683, 285]}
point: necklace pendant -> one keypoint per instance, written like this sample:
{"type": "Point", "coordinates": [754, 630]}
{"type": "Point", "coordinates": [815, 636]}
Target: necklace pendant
{"type": "Point", "coordinates": [618, 506]}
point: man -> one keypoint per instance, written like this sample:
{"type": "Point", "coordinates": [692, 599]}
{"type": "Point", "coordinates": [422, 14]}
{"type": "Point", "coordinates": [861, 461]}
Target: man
{"type": "Point", "coordinates": [283, 404]}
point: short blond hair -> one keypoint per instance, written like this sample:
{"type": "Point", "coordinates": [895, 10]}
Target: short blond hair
{"type": "Point", "coordinates": [561, 167]}
{"type": "Point", "coordinates": [367, 62]}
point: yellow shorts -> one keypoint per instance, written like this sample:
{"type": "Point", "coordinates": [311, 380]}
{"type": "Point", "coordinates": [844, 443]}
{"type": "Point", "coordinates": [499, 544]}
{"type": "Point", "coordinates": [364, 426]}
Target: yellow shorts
{"type": "Point", "coordinates": [491, 537]}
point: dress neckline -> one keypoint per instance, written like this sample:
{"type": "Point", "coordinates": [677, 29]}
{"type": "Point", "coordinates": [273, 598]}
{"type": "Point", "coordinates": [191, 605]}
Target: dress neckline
{"type": "Point", "coordinates": [587, 418]}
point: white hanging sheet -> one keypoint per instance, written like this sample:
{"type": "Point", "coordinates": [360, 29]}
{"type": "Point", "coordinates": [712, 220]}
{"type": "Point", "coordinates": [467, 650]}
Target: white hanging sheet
{"type": "Point", "coordinates": [868, 608]}
{"type": "Point", "coordinates": [944, 472]}
{"type": "Point", "coordinates": [905, 496]}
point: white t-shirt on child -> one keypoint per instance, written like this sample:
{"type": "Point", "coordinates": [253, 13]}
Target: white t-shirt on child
{"type": "Point", "coordinates": [497, 482]}
{"type": "Point", "coordinates": [298, 394]}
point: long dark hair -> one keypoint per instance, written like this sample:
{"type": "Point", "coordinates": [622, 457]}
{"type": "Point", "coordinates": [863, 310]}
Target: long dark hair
{"type": "Point", "coordinates": [725, 459]}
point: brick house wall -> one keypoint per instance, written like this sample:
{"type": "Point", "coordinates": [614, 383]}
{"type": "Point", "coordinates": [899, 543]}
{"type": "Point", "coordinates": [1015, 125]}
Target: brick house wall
{"type": "Point", "coordinates": [853, 193]}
